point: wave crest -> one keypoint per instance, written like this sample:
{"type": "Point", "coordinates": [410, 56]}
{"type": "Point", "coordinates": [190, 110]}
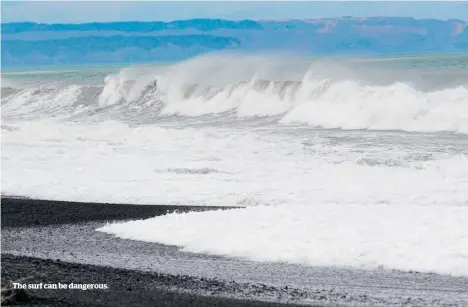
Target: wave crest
{"type": "Point", "coordinates": [325, 95]}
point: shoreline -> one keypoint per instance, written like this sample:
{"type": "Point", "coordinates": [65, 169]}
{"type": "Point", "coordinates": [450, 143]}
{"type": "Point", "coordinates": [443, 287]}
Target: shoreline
{"type": "Point", "coordinates": [127, 287]}
{"type": "Point", "coordinates": [28, 212]}
{"type": "Point", "coordinates": [57, 241]}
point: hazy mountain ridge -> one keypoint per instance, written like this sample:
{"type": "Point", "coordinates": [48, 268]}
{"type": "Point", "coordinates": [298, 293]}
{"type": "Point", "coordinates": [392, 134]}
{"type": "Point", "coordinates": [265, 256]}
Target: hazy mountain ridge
{"type": "Point", "coordinates": [54, 44]}
{"type": "Point", "coordinates": [132, 26]}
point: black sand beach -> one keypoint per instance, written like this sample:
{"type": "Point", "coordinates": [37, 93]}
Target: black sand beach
{"type": "Point", "coordinates": [57, 242]}
{"type": "Point", "coordinates": [125, 287]}
{"type": "Point", "coordinates": [25, 212]}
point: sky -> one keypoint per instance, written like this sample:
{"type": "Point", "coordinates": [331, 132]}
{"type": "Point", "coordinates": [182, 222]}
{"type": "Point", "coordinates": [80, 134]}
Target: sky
{"type": "Point", "coordinates": [106, 11]}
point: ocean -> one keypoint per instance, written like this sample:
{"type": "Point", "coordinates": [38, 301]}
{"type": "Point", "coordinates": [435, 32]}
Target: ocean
{"type": "Point", "coordinates": [356, 163]}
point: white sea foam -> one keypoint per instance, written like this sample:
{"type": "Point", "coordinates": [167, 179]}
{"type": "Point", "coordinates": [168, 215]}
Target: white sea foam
{"type": "Point", "coordinates": [363, 198]}
{"type": "Point", "coordinates": [110, 161]}
{"type": "Point", "coordinates": [410, 237]}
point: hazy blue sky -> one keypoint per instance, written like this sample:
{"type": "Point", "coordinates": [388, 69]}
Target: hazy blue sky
{"type": "Point", "coordinates": [80, 11]}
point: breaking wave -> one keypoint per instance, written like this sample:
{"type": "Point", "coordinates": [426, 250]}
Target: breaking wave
{"type": "Point", "coordinates": [323, 95]}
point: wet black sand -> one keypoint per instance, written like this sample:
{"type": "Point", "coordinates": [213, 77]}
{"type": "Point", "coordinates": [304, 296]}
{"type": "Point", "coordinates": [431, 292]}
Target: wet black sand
{"type": "Point", "coordinates": [126, 287]}
{"type": "Point", "coordinates": [58, 242]}
{"type": "Point", "coordinates": [17, 212]}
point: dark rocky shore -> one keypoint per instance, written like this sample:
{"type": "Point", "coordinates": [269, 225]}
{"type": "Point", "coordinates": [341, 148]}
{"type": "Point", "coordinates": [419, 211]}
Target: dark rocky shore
{"type": "Point", "coordinates": [125, 287]}
{"type": "Point", "coordinates": [57, 242]}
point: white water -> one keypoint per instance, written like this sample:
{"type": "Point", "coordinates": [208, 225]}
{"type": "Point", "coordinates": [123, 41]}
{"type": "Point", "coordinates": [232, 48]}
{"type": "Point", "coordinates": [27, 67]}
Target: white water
{"type": "Point", "coordinates": [326, 95]}
{"type": "Point", "coordinates": [352, 235]}
{"type": "Point", "coordinates": [240, 132]}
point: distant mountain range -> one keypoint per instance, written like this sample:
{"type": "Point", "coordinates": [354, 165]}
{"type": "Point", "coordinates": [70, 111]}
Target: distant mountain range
{"type": "Point", "coordinates": [32, 44]}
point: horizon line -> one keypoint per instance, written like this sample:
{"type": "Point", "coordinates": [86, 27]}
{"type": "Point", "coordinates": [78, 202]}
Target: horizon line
{"type": "Point", "coordinates": [237, 20]}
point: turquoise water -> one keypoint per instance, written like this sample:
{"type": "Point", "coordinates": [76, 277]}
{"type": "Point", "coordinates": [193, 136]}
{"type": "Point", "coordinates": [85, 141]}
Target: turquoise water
{"type": "Point", "coordinates": [424, 72]}
{"type": "Point", "coordinates": [430, 60]}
